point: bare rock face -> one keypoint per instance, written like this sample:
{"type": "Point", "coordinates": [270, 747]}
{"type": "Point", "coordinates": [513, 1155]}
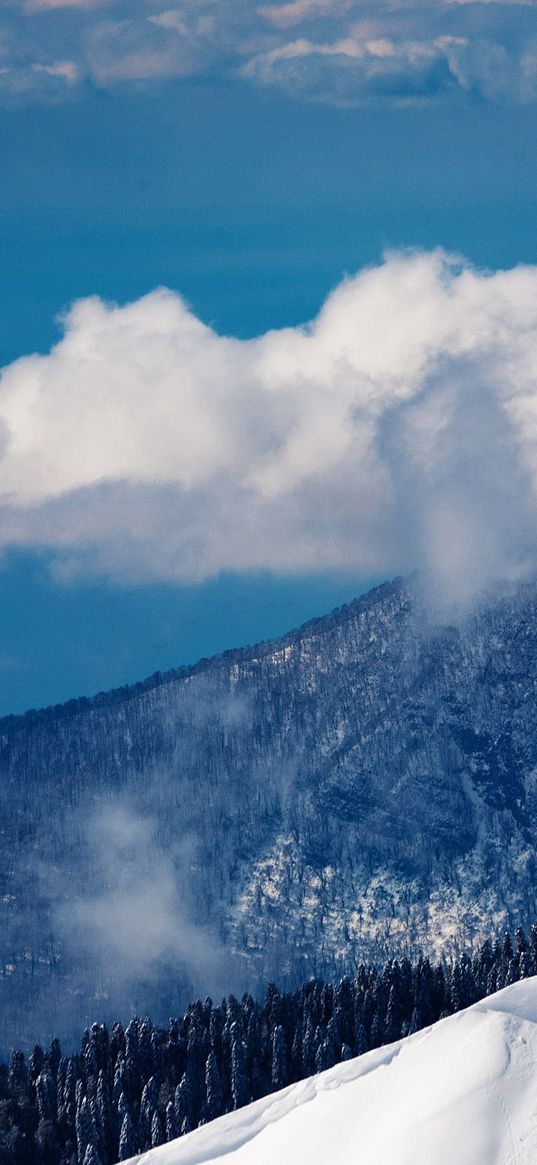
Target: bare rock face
{"type": "Point", "coordinates": [364, 786]}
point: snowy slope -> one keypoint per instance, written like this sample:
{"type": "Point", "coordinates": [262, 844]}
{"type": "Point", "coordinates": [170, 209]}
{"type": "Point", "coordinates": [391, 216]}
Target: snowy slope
{"type": "Point", "coordinates": [463, 1092]}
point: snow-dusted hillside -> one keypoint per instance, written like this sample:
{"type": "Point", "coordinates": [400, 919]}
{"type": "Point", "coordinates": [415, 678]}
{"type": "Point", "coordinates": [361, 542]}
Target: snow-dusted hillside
{"type": "Point", "coordinates": [362, 788]}
{"type": "Point", "coordinates": [463, 1092]}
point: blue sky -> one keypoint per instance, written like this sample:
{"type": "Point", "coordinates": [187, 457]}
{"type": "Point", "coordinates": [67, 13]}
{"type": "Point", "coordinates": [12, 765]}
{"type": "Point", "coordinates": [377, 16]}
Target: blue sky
{"type": "Point", "coordinates": [248, 157]}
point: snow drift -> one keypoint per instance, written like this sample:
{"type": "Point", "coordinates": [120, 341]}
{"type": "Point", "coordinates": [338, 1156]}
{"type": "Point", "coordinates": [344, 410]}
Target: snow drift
{"type": "Point", "coordinates": [461, 1091]}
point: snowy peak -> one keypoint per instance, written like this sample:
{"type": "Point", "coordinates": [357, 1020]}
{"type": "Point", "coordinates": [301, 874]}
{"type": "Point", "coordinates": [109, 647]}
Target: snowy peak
{"type": "Point", "coordinates": [462, 1091]}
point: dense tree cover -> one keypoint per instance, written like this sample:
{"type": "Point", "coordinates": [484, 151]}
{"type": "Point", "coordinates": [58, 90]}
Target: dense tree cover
{"type": "Point", "coordinates": [353, 791]}
{"type": "Point", "coordinates": [128, 1090]}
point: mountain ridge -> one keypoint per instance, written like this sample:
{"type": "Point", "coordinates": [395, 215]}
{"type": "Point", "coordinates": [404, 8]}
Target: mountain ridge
{"type": "Point", "coordinates": [12, 721]}
{"type": "Point", "coordinates": [364, 786]}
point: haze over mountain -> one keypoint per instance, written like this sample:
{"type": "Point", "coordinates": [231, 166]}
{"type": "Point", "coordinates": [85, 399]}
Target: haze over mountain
{"type": "Point", "coordinates": [362, 787]}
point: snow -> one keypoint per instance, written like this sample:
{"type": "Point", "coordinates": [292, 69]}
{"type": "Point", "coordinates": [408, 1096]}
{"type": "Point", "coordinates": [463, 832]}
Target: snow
{"type": "Point", "coordinates": [463, 1092]}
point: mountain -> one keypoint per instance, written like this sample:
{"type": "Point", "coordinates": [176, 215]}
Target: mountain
{"type": "Point", "coordinates": [364, 786]}
{"type": "Point", "coordinates": [462, 1090]}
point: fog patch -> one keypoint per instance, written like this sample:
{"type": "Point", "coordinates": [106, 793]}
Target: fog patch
{"type": "Point", "coordinates": [130, 933]}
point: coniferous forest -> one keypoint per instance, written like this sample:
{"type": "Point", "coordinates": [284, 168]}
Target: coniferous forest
{"type": "Point", "coordinates": [130, 1089]}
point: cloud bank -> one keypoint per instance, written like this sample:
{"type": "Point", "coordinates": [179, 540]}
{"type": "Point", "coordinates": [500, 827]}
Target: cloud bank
{"type": "Point", "coordinates": [343, 52]}
{"type": "Point", "coordinates": [397, 430]}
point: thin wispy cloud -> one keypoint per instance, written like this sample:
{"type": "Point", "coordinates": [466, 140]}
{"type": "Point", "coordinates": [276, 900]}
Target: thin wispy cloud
{"type": "Point", "coordinates": [335, 51]}
{"type": "Point", "coordinates": [54, 5]}
{"type": "Point", "coordinates": [66, 70]}
{"type": "Point", "coordinates": [299, 11]}
{"type": "Point", "coordinates": [397, 430]}
{"type": "Point", "coordinates": [122, 51]}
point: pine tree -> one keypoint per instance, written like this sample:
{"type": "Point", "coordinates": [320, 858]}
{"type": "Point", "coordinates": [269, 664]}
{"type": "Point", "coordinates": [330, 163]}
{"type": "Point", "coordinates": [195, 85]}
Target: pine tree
{"type": "Point", "coordinates": [273, 1006]}
{"type": "Point", "coordinates": [148, 1106]}
{"type": "Point", "coordinates": [296, 1053]}
{"type": "Point", "coordinates": [156, 1130]}
{"type": "Point", "coordinates": [91, 1156]}
{"type": "Point", "coordinates": [279, 1071]}
{"type": "Point", "coordinates": [127, 1143]}
{"type": "Point", "coordinates": [117, 1042]}
{"type": "Point", "coordinates": [47, 1142]}
{"type": "Point", "coordinates": [172, 1130]}
{"type": "Point", "coordinates": [343, 1010]}
{"type": "Point", "coordinates": [308, 1049]}
{"type": "Point", "coordinates": [533, 949]}
{"type": "Point", "coordinates": [36, 1062]}
{"type": "Point", "coordinates": [507, 948]}
{"type": "Point", "coordinates": [415, 1025]}
{"type": "Point", "coordinates": [239, 1079]}
{"type": "Point", "coordinates": [45, 1092]}
{"type": "Point", "coordinates": [53, 1057]}
{"type": "Point", "coordinates": [122, 1107]}
{"type": "Point", "coordinates": [183, 1104]}
{"type": "Point", "coordinates": [213, 1085]}
{"type": "Point", "coordinates": [360, 1040]}
{"type": "Point", "coordinates": [85, 1132]}
{"type": "Point", "coordinates": [393, 1023]}
{"type": "Point", "coordinates": [104, 1115]}
{"type": "Point", "coordinates": [377, 1031]}
{"type": "Point", "coordinates": [146, 1063]}
{"type": "Point", "coordinates": [17, 1074]}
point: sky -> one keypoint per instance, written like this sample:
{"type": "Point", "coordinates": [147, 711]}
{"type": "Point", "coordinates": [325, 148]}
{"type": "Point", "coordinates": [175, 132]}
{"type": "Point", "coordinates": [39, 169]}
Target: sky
{"type": "Point", "coordinates": [268, 327]}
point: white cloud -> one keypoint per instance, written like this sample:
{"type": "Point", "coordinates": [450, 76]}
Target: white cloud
{"type": "Point", "coordinates": [356, 69]}
{"type": "Point", "coordinates": [299, 11]}
{"type": "Point", "coordinates": [341, 52]}
{"type": "Point", "coordinates": [141, 50]}
{"type": "Point", "coordinates": [55, 5]}
{"type": "Point", "coordinates": [66, 70]}
{"type": "Point", "coordinates": [399, 429]}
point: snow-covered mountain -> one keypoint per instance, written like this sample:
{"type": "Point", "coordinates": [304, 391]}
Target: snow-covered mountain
{"type": "Point", "coordinates": [363, 786]}
{"type": "Point", "coordinates": [461, 1091]}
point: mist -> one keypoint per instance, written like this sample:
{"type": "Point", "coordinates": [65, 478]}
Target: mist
{"type": "Point", "coordinates": [119, 902]}
{"type": "Point", "coordinates": [130, 916]}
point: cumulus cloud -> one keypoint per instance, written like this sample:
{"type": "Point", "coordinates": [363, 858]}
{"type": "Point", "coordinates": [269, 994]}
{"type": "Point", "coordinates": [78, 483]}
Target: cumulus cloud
{"type": "Point", "coordinates": [398, 429]}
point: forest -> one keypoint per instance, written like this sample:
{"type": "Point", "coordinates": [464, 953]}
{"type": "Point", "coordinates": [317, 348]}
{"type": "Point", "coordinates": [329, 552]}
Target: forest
{"type": "Point", "coordinates": [357, 790]}
{"type": "Point", "coordinates": [132, 1088]}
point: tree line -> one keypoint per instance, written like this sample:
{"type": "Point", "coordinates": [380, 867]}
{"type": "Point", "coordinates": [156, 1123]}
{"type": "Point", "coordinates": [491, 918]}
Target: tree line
{"type": "Point", "coordinates": [132, 1088]}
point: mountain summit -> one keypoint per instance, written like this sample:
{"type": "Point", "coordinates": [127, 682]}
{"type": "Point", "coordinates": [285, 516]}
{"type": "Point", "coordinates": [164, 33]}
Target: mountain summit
{"type": "Point", "coordinates": [364, 786]}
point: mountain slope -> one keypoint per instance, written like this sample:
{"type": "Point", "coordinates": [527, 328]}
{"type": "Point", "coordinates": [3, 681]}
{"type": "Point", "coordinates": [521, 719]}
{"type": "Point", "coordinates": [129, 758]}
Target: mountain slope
{"type": "Point", "coordinates": [462, 1090]}
{"type": "Point", "coordinates": [361, 787]}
